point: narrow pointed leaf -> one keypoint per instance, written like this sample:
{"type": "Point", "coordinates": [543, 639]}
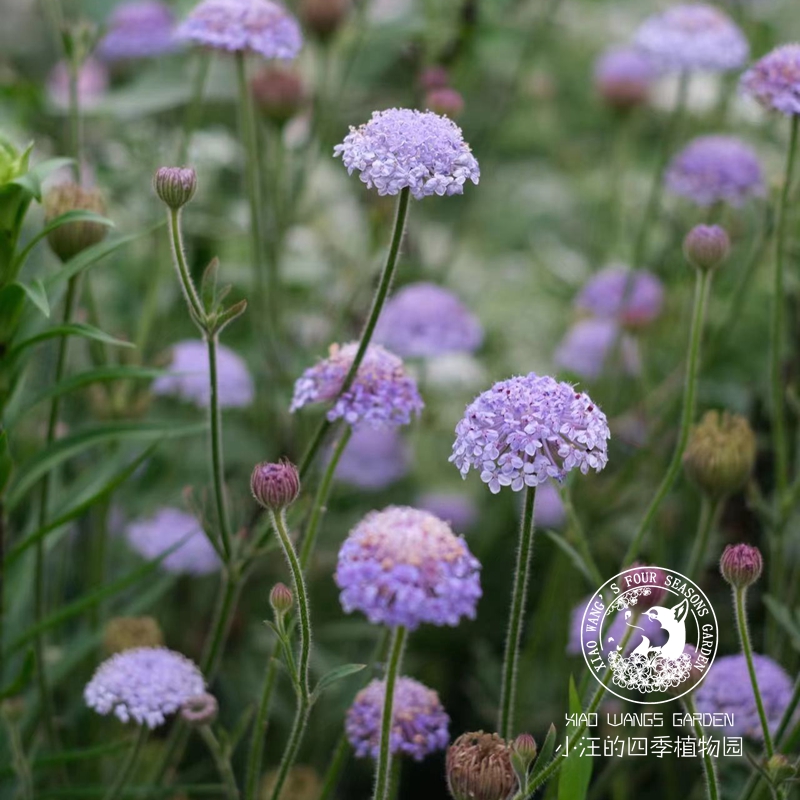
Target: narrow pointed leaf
{"type": "Point", "coordinates": [336, 675]}
{"type": "Point", "coordinates": [573, 782]}
{"type": "Point", "coordinates": [36, 293]}
{"type": "Point", "coordinates": [73, 329]}
{"type": "Point", "coordinates": [22, 678]}
{"type": "Point", "coordinates": [545, 752]}
{"type": "Point", "coordinates": [574, 556]}
{"type": "Point", "coordinates": [31, 181]}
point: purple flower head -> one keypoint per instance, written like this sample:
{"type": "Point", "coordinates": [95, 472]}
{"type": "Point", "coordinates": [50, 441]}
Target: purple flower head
{"type": "Point", "coordinates": [401, 148]}
{"type": "Point", "coordinates": [457, 510]}
{"type": "Point", "coordinates": [373, 458]}
{"type": "Point", "coordinates": [548, 508]}
{"type": "Point", "coordinates": [716, 169]}
{"type": "Point", "coordinates": [145, 685]}
{"type": "Point", "coordinates": [419, 722]}
{"type": "Point", "coordinates": [607, 294]}
{"type": "Point", "coordinates": [423, 320]}
{"type": "Point", "coordinates": [588, 345]}
{"type": "Point", "coordinates": [727, 690]}
{"type": "Point", "coordinates": [258, 26]}
{"type": "Point", "coordinates": [92, 84]}
{"type": "Point", "coordinates": [154, 535]}
{"type": "Point", "coordinates": [382, 395]}
{"type": "Point", "coordinates": [693, 37]}
{"type": "Point", "coordinates": [527, 429]}
{"type": "Point", "coordinates": [403, 566]}
{"type": "Point", "coordinates": [623, 77]}
{"type": "Point", "coordinates": [188, 378]}
{"type": "Point", "coordinates": [774, 80]}
{"type": "Point", "coordinates": [138, 29]}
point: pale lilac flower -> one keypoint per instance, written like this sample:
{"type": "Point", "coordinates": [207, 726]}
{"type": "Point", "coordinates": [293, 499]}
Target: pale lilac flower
{"type": "Point", "coordinates": [774, 80]}
{"type": "Point", "coordinates": [404, 566]}
{"type": "Point", "coordinates": [138, 29]}
{"type": "Point", "coordinates": [716, 169]}
{"type": "Point", "coordinates": [401, 148]}
{"type": "Point", "coordinates": [382, 395]}
{"type": "Point", "coordinates": [693, 37]}
{"type": "Point", "coordinates": [423, 320]}
{"type": "Point", "coordinates": [588, 345]}
{"type": "Point", "coordinates": [152, 536]}
{"type": "Point", "coordinates": [373, 458]}
{"type": "Point", "coordinates": [419, 722]}
{"type": "Point", "coordinates": [456, 509]}
{"type": "Point", "coordinates": [527, 429]}
{"type": "Point", "coordinates": [92, 84]}
{"type": "Point", "coordinates": [548, 508]}
{"type": "Point", "coordinates": [727, 690]}
{"type": "Point", "coordinates": [259, 26]}
{"type": "Point", "coordinates": [145, 684]}
{"type": "Point", "coordinates": [633, 298]}
{"type": "Point", "coordinates": [189, 377]}
{"type": "Point", "coordinates": [624, 77]}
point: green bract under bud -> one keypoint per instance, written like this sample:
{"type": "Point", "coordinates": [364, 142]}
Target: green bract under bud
{"type": "Point", "coordinates": [72, 238]}
{"type": "Point", "coordinates": [706, 246]}
{"type": "Point", "coordinates": [741, 565]}
{"type": "Point", "coordinates": [280, 598]}
{"type": "Point", "coordinates": [721, 453]}
{"type": "Point", "coordinates": [175, 185]}
{"type": "Point", "coordinates": [479, 768]}
{"type": "Point", "coordinates": [275, 485]}
{"type": "Point", "coordinates": [126, 633]}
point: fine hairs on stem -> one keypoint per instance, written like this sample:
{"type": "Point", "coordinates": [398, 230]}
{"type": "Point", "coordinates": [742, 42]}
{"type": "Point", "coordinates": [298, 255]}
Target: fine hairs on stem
{"type": "Point", "coordinates": [709, 765]}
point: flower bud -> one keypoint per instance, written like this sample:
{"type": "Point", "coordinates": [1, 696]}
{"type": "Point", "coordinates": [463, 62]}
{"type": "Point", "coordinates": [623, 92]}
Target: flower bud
{"type": "Point", "coordinates": [741, 565]}
{"type": "Point", "coordinates": [126, 633]}
{"type": "Point", "coordinates": [175, 185]}
{"type": "Point", "coordinates": [445, 101]}
{"type": "Point", "coordinates": [279, 93]}
{"type": "Point", "coordinates": [324, 17]}
{"type": "Point", "coordinates": [706, 246]}
{"type": "Point", "coordinates": [200, 710]}
{"type": "Point", "coordinates": [435, 77]}
{"type": "Point", "coordinates": [280, 598]}
{"type": "Point", "coordinates": [780, 769]}
{"type": "Point", "coordinates": [525, 746]}
{"type": "Point", "coordinates": [68, 240]}
{"type": "Point", "coordinates": [275, 485]}
{"type": "Point", "coordinates": [720, 454]}
{"type": "Point", "coordinates": [479, 768]}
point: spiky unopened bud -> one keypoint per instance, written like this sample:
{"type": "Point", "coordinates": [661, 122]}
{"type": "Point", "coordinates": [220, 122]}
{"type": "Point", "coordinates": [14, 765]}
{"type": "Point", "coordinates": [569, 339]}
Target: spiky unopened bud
{"type": "Point", "coordinates": [126, 633]}
{"type": "Point", "coordinates": [706, 246]}
{"type": "Point", "coordinates": [741, 565]}
{"type": "Point", "coordinates": [324, 17]}
{"type": "Point", "coordinates": [720, 454]}
{"type": "Point", "coordinates": [72, 238]}
{"type": "Point", "coordinates": [275, 485]}
{"type": "Point", "coordinates": [281, 598]}
{"type": "Point", "coordinates": [278, 92]}
{"type": "Point", "coordinates": [479, 768]}
{"type": "Point", "coordinates": [175, 185]}
{"type": "Point", "coordinates": [200, 710]}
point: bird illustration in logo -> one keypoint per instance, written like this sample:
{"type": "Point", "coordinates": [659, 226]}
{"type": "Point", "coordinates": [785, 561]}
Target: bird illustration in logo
{"type": "Point", "coordinates": [673, 621]}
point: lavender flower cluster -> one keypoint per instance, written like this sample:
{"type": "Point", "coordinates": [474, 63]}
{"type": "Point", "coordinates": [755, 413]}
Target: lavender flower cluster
{"type": "Point", "coordinates": [138, 29]}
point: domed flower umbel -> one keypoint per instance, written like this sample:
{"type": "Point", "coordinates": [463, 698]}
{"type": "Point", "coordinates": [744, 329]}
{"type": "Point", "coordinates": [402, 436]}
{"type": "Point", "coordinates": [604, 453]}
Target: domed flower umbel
{"type": "Point", "coordinates": [275, 485]}
{"type": "Point", "coordinates": [774, 80]}
{"type": "Point", "coordinates": [741, 565]}
{"type": "Point", "coordinates": [479, 768]}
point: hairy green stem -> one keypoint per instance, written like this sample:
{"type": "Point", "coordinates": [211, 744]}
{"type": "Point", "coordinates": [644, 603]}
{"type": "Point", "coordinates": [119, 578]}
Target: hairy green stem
{"type": "Point", "coordinates": [256, 750]}
{"type": "Point", "coordinates": [184, 276]}
{"type": "Point", "coordinates": [292, 745]}
{"type": "Point", "coordinates": [127, 767]}
{"type": "Point", "coordinates": [709, 512]}
{"type": "Point", "coordinates": [222, 762]}
{"type": "Point", "coordinates": [334, 771]}
{"type": "Point", "coordinates": [508, 689]}
{"type": "Point", "coordinates": [708, 761]}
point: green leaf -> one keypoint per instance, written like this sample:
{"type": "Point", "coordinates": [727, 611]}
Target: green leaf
{"type": "Point", "coordinates": [36, 293]}
{"type": "Point", "coordinates": [72, 329]}
{"type": "Point", "coordinates": [784, 617]}
{"type": "Point", "coordinates": [574, 556]}
{"type": "Point", "coordinates": [70, 446]}
{"type": "Point", "coordinates": [70, 756]}
{"type": "Point", "coordinates": [31, 181]}
{"type": "Point", "coordinates": [336, 675]}
{"type": "Point", "coordinates": [545, 752]}
{"type": "Point", "coordinates": [22, 678]}
{"type": "Point", "coordinates": [224, 318]}
{"type": "Point", "coordinates": [573, 783]}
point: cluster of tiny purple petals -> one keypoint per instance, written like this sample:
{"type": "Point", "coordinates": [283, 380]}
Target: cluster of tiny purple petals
{"type": "Point", "coordinates": [404, 566]}
{"type": "Point", "coordinates": [138, 29]}
{"type": "Point", "coordinates": [154, 535]}
{"type": "Point", "coordinates": [693, 37]}
{"type": "Point", "coordinates": [402, 148]}
{"type": "Point", "coordinates": [144, 684]}
{"type": "Point", "coordinates": [373, 458]}
{"type": "Point", "coordinates": [423, 320]}
{"type": "Point", "coordinates": [382, 394]}
{"type": "Point", "coordinates": [727, 690]}
{"type": "Point", "coordinates": [716, 169]}
{"type": "Point", "coordinates": [774, 80]}
{"type": "Point", "coordinates": [587, 346]}
{"type": "Point", "coordinates": [188, 378]}
{"type": "Point", "coordinates": [259, 26]}
{"type": "Point", "coordinates": [633, 298]}
{"type": "Point", "coordinates": [527, 429]}
{"type": "Point", "coordinates": [419, 722]}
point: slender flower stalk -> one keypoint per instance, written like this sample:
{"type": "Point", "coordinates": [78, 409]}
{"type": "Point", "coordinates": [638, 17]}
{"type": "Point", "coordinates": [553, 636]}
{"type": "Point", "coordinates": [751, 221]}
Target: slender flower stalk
{"type": "Point", "coordinates": [192, 116]}
{"type": "Point", "coordinates": [708, 761]}
{"type": "Point", "coordinates": [710, 509]}
{"type": "Point", "coordinates": [256, 750]}
{"type": "Point", "coordinates": [519, 594]}
{"type": "Point", "coordinates": [221, 761]}
{"type": "Point", "coordinates": [128, 765]}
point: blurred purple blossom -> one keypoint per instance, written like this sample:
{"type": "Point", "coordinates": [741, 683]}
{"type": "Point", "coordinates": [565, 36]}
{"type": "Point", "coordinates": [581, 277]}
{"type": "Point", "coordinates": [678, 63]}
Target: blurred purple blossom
{"type": "Point", "coordinates": [607, 294]}
{"type": "Point", "coordinates": [548, 508]}
{"type": "Point", "coordinates": [456, 509]}
{"type": "Point", "coordinates": [774, 80]}
{"type": "Point", "coordinates": [138, 29]}
{"type": "Point", "coordinates": [624, 76]}
{"type": "Point", "coordinates": [588, 344]}
{"type": "Point", "coordinates": [92, 84]}
{"type": "Point", "coordinates": [373, 458]}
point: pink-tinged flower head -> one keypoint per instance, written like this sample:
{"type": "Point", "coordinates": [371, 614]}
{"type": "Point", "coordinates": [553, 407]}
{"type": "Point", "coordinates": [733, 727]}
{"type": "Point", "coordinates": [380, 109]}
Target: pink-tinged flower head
{"type": "Point", "coordinates": [145, 685]}
{"type": "Point", "coordinates": [423, 320]}
{"type": "Point", "coordinates": [188, 376]}
{"type": "Point", "coordinates": [419, 722]}
{"type": "Point", "coordinates": [527, 429]}
{"type": "Point", "coordinates": [382, 395]}
{"type": "Point", "coordinates": [623, 77]}
{"type": "Point", "coordinates": [92, 84]}
{"type": "Point", "coordinates": [374, 458]}
{"type": "Point", "coordinates": [258, 26]}
{"type": "Point", "coordinates": [693, 37]}
{"type": "Point", "coordinates": [138, 29]}
{"type": "Point", "coordinates": [716, 169]}
{"type": "Point", "coordinates": [403, 566]}
{"type": "Point", "coordinates": [588, 346]}
{"type": "Point", "coordinates": [774, 80]}
{"type": "Point", "coordinates": [152, 536]}
{"type": "Point", "coordinates": [741, 565]}
{"type": "Point", "coordinates": [633, 298]}
{"type": "Point", "coordinates": [401, 148]}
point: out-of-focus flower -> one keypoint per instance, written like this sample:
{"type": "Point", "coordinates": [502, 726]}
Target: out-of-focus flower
{"type": "Point", "coordinates": [527, 429]}
{"type": "Point", "coordinates": [479, 768]}
{"type": "Point", "coordinates": [727, 690]}
{"type": "Point", "coordinates": [623, 77]}
{"type": "Point", "coordinates": [633, 298]}
{"type": "Point", "coordinates": [92, 84]}
{"type": "Point", "coordinates": [741, 565]}
{"type": "Point", "coordinates": [127, 633]}
{"type": "Point", "coordinates": [373, 458]}
{"type": "Point", "coordinates": [716, 169]}
{"type": "Point", "coordinates": [275, 485]}
{"type": "Point", "coordinates": [259, 26]}
{"type": "Point", "coordinates": [548, 508]}
{"type": "Point", "coordinates": [382, 394]}
{"type": "Point", "coordinates": [144, 685]}
{"type": "Point", "coordinates": [68, 240]}
{"type": "Point", "coordinates": [588, 344]}
{"type": "Point", "coordinates": [324, 17]}
{"type": "Point", "coordinates": [152, 536]}
{"type": "Point", "coordinates": [279, 93]}
{"type": "Point", "coordinates": [419, 722]}
{"type": "Point", "coordinates": [693, 37]}
{"type": "Point", "coordinates": [434, 77]}
{"type": "Point", "coordinates": [456, 509]}
{"type": "Point", "coordinates": [423, 320]}
{"type": "Point", "coordinates": [138, 29]}
{"type": "Point", "coordinates": [401, 148]}
{"type": "Point", "coordinates": [446, 101]}
{"type": "Point", "coordinates": [706, 247]}
{"type": "Point", "coordinates": [774, 80]}
{"type": "Point", "coordinates": [200, 709]}
{"type": "Point", "coordinates": [188, 378]}
{"type": "Point", "coordinates": [404, 566]}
